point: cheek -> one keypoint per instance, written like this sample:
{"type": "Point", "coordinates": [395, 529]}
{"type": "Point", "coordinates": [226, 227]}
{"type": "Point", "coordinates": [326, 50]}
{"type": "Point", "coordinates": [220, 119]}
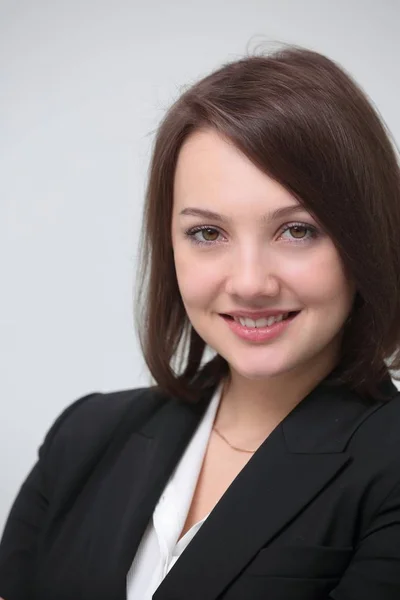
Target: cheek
{"type": "Point", "coordinates": [322, 280]}
{"type": "Point", "coordinates": [196, 280]}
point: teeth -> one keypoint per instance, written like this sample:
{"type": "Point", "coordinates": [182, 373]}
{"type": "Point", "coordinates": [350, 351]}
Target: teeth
{"type": "Point", "coordinates": [246, 322]}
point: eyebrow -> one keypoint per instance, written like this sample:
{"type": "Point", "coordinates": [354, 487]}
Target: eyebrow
{"type": "Point", "coordinates": [283, 211]}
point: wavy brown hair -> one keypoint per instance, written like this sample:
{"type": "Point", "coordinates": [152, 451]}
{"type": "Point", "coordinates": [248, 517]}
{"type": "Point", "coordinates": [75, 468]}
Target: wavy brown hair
{"type": "Point", "coordinates": [302, 120]}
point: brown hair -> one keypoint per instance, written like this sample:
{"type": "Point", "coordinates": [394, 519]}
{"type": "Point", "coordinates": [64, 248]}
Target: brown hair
{"type": "Point", "coordinates": [304, 122]}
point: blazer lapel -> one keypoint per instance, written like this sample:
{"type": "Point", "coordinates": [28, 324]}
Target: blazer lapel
{"type": "Point", "coordinates": [169, 432]}
{"type": "Point", "coordinates": [131, 489]}
{"type": "Point", "coordinates": [301, 456]}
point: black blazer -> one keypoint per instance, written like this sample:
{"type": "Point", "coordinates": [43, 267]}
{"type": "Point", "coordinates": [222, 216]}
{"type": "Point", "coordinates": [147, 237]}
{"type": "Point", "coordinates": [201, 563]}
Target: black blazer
{"type": "Point", "coordinates": [315, 513]}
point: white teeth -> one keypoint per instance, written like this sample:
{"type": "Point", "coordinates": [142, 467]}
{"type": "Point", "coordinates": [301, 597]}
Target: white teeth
{"type": "Point", "coordinates": [246, 322]}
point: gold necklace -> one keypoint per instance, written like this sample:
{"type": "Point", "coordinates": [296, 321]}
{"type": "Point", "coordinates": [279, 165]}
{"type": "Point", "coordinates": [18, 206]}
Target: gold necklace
{"type": "Point", "coordinates": [230, 445]}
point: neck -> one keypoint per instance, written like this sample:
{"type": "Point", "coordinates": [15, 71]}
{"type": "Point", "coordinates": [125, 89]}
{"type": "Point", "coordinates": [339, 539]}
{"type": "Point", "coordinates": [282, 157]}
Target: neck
{"type": "Point", "coordinates": [250, 409]}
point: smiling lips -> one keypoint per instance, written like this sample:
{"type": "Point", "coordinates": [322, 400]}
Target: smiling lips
{"type": "Point", "coordinates": [259, 330]}
{"type": "Point", "coordinates": [260, 319]}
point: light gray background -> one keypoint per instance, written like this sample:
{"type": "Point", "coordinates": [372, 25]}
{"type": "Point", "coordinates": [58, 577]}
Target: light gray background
{"type": "Point", "coordinates": [83, 84]}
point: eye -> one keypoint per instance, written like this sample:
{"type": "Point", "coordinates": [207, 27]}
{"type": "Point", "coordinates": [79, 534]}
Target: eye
{"type": "Point", "coordinates": [300, 231]}
{"type": "Point", "coordinates": [203, 234]}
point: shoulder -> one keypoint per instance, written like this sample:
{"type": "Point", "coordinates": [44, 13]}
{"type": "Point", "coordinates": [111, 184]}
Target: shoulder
{"type": "Point", "coordinates": [375, 446]}
{"type": "Point", "coordinates": [83, 431]}
{"type": "Point", "coordinates": [380, 430]}
{"type": "Point", "coordinates": [99, 411]}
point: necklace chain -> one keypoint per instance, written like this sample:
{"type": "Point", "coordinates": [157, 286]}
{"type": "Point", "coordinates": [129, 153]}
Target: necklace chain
{"type": "Point", "coordinates": [230, 445]}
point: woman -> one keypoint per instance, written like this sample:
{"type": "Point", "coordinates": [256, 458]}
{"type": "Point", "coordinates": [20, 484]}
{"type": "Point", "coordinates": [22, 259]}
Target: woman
{"type": "Point", "coordinates": [272, 469]}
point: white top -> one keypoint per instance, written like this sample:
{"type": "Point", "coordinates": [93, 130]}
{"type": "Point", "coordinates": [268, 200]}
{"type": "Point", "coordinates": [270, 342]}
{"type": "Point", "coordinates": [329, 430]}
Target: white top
{"type": "Point", "coordinates": [159, 548]}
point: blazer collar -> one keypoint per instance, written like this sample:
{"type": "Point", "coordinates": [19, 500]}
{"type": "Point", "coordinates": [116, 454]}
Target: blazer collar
{"type": "Point", "coordinates": [325, 420]}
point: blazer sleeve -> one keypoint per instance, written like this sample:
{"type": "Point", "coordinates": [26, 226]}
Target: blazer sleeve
{"type": "Point", "coordinates": [374, 572]}
{"type": "Point", "coordinates": [26, 519]}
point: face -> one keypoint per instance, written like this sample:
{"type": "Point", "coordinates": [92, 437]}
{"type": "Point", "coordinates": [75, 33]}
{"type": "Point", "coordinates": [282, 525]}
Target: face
{"type": "Point", "coordinates": [243, 258]}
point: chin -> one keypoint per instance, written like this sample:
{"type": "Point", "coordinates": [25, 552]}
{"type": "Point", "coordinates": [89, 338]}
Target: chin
{"type": "Point", "coordinates": [251, 371]}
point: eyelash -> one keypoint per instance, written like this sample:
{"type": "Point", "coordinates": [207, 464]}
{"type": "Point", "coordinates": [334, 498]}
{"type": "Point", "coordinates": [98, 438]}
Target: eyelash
{"type": "Point", "coordinates": [190, 233]}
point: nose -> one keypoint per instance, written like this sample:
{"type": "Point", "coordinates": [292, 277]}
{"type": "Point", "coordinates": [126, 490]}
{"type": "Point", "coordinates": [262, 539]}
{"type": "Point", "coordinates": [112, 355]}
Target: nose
{"type": "Point", "coordinates": [252, 275]}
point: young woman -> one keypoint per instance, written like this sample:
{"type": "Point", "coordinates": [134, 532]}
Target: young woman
{"type": "Point", "coordinates": [270, 469]}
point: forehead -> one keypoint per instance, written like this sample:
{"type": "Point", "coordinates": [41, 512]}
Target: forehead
{"type": "Point", "coordinates": [211, 169]}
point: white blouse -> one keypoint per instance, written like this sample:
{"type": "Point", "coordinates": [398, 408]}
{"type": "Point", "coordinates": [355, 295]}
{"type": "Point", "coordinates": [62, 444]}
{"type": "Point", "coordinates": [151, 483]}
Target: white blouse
{"type": "Point", "coordinates": [159, 548]}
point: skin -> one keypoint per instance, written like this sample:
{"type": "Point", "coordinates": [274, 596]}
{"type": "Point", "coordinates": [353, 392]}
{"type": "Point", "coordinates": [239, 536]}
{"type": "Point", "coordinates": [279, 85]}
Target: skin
{"type": "Point", "coordinates": [251, 263]}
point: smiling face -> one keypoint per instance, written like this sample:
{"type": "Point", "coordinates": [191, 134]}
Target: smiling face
{"type": "Point", "coordinates": [247, 260]}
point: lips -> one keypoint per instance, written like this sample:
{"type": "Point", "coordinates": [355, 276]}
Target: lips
{"type": "Point", "coordinates": [262, 334]}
